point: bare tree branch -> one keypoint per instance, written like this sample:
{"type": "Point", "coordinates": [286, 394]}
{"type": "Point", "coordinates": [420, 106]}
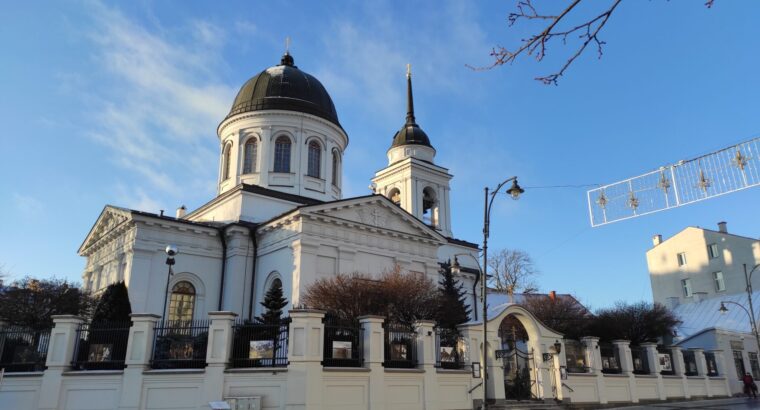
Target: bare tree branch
{"type": "Point", "coordinates": [512, 271]}
{"type": "Point", "coordinates": [537, 44]}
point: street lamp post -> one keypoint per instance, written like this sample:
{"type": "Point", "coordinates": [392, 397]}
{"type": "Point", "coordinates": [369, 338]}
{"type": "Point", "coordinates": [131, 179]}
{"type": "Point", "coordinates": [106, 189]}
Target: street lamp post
{"type": "Point", "coordinates": [171, 251]}
{"type": "Point", "coordinates": [751, 311]}
{"type": "Point", "coordinates": [514, 191]}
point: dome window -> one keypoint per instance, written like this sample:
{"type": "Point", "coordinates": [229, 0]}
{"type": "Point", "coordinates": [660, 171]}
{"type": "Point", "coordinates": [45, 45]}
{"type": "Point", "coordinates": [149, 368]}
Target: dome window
{"type": "Point", "coordinates": [315, 158]}
{"type": "Point", "coordinates": [335, 167]}
{"type": "Point", "coordinates": [249, 161]}
{"type": "Point", "coordinates": [226, 161]}
{"type": "Point", "coordinates": [282, 154]}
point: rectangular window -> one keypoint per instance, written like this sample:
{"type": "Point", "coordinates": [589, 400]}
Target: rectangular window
{"type": "Point", "coordinates": [682, 259]}
{"type": "Point", "coordinates": [739, 364]}
{"type": "Point", "coordinates": [754, 364]}
{"type": "Point", "coordinates": [712, 250]}
{"type": "Point", "coordinates": [686, 283]}
{"type": "Point", "coordinates": [720, 284]}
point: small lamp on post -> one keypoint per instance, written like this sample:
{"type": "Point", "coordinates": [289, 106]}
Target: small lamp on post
{"type": "Point", "coordinates": [723, 310]}
{"type": "Point", "coordinates": [171, 252]}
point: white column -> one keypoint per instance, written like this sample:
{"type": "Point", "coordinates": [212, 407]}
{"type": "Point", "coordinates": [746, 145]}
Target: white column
{"type": "Point", "coordinates": [374, 355]}
{"type": "Point", "coordinates": [699, 357]}
{"type": "Point", "coordinates": [218, 350]}
{"type": "Point", "coordinates": [654, 367]}
{"type": "Point", "coordinates": [305, 348]}
{"type": "Point", "coordinates": [426, 361]}
{"type": "Point", "coordinates": [60, 354]}
{"type": "Point", "coordinates": [680, 369]}
{"type": "Point", "coordinates": [137, 359]}
{"type": "Point", "coordinates": [623, 348]}
{"type": "Point", "coordinates": [720, 362]}
{"type": "Point", "coordinates": [594, 360]}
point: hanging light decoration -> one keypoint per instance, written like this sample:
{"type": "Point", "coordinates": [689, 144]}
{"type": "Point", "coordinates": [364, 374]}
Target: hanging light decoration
{"type": "Point", "coordinates": [740, 161]}
{"type": "Point", "coordinates": [704, 182]}
{"type": "Point", "coordinates": [602, 200]}
{"type": "Point", "coordinates": [632, 202]}
{"type": "Point", "coordinates": [663, 183]}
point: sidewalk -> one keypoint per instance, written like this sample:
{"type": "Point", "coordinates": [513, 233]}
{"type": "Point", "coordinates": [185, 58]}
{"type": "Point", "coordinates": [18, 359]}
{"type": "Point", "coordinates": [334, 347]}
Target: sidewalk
{"type": "Point", "coordinates": [716, 404]}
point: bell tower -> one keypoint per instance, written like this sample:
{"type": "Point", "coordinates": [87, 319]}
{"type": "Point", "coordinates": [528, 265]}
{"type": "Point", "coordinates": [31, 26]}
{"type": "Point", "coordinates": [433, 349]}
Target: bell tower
{"type": "Point", "coordinates": [412, 180]}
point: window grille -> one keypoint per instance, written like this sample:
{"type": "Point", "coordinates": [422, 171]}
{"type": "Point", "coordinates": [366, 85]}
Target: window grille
{"type": "Point", "coordinates": [315, 158]}
{"type": "Point", "coordinates": [101, 346]}
{"type": "Point", "coordinates": [227, 158]}
{"type": "Point", "coordinates": [610, 358]}
{"type": "Point", "coordinates": [180, 344]}
{"type": "Point", "coordinates": [282, 154]}
{"type": "Point", "coordinates": [400, 346]}
{"type": "Point", "coordinates": [640, 360]}
{"type": "Point", "coordinates": [257, 344]}
{"type": "Point", "coordinates": [344, 342]}
{"type": "Point", "coordinates": [23, 349]}
{"type": "Point", "coordinates": [335, 168]}
{"type": "Point", "coordinates": [249, 160]}
{"type": "Point", "coordinates": [450, 349]}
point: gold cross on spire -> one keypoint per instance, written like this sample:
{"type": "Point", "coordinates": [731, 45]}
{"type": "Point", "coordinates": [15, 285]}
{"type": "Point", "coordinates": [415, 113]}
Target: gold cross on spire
{"type": "Point", "coordinates": [287, 44]}
{"type": "Point", "coordinates": [408, 71]}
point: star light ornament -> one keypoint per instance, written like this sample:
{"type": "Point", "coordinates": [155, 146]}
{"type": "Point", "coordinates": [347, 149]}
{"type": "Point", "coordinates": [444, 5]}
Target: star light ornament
{"type": "Point", "coordinates": [740, 160]}
{"type": "Point", "coordinates": [632, 202]}
{"type": "Point", "coordinates": [704, 182]}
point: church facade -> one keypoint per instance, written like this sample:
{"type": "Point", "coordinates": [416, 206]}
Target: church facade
{"type": "Point", "coordinates": [279, 213]}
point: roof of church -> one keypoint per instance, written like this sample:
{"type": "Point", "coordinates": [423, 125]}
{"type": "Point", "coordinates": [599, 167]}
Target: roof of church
{"type": "Point", "coordinates": [410, 133]}
{"type": "Point", "coordinates": [461, 242]}
{"type": "Point", "coordinates": [285, 87]}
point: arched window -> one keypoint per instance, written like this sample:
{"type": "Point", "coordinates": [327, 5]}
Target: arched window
{"type": "Point", "coordinates": [315, 158]}
{"type": "Point", "coordinates": [429, 207]}
{"type": "Point", "coordinates": [182, 302]}
{"type": "Point", "coordinates": [249, 156]}
{"type": "Point", "coordinates": [335, 167]}
{"type": "Point", "coordinates": [226, 161]}
{"type": "Point", "coordinates": [282, 154]}
{"type": "Point", "coordinates": [395, 196]}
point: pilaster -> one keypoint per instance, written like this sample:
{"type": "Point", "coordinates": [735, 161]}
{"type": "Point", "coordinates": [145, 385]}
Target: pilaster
{"type": "Point", "coordinates": [699, 357]}
{"type": "Point", "coordinates": [654, 367]}
{"type": "Point", "coordinates": [720, 362]}
{"type": "Point", "coordinates": [623, 348]}
{"type": "Point", "coordinates": [680, 369]}
{"type": "Point", "coordinates": [374, 355]}
{"type": "Point", "coordinates": [426, 361]}
{"type": "Point", "coordinates": [594, 360]}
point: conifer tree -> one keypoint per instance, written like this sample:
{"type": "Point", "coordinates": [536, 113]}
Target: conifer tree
{"type": "Point", "coordinates": [273, 302]}
{"type": "Point", "coordinates": [113, 305]}
{"type": "Point", "coordinates": [452, 309]}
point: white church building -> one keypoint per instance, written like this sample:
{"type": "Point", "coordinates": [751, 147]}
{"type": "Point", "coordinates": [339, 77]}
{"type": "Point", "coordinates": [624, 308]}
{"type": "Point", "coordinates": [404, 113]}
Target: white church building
{"type": "Point", "coordinates": [279, 213]}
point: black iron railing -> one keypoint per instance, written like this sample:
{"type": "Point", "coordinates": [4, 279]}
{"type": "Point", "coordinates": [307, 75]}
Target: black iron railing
{"type": "Point", "coordinates": [180, 344]}
{"type": "Point", "coordinates": [344, 343]}
{"type": "Point", "coordinates": [640, 360]}
{"type": "Point", "coordinates": [449, 349]}
{"type": "Point", "coordinates": [665, 358]}
{"type": "Point", "coordinates": [22, 349]}
{"type": "Point", "coordinates": [400, 346]}
{"type": "Point", "coordinates": [575, 354]}
{"type": "Point", "coordinates": [690, 364]}
{"type": "Point", "coordinates": [712, 365]}
{"type": "Point", "coordinates": [610, 359]}
{"type": "Point", "coordinates": [101, 346]}
{"type": "Point", "coordinates": [260, 344]}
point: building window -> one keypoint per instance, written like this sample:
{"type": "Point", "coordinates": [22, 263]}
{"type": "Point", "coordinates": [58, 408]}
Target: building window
{"type": "Point", "coordinates": [282, 154]}
{"type": "Point", "coordinates": [686, 284]}
{"type": "Point", "coordinates": [182, 301]}
{"type": "Point", "coordinates": [315, 158]}
{"type": "Point", "coordinates": [395, 196]}
{"type": "Point", "coordinates": [226, 161]}
{"type": "Point", "coordinates": [249, 161]}
{"type": "Point", "coordinates": [754, 364]}
{"type": "Point", "coordinates": [335, 167]}
{"type": "Point", "coordinates": [720, 284]}
{"type": "Point", "coordinates": [682, 259]}
{"type": "Point", "coordinates": [712, 250]}
{"type": "Point", "coordinates": [739, 364]}
{"type": "Point", "coordinates": [429, 207]}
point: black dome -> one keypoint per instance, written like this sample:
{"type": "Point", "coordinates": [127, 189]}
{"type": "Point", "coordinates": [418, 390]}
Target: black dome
{"type": "Point", "coordinates": [410, 134]}
{"type": "Point", "coordinates": [285, 87]}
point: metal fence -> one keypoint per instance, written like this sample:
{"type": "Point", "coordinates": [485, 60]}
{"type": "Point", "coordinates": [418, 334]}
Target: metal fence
{"type": "Point", "coordinates": [260, 344]}
{"type": "Point", "coordinates": [640, 360]}
{"type": "Point", "coordinates": [449, 353]}
{"type": "Point", "coordinates": [343, 344]}
{"type": "Point", "coordinates": [712, 365]}
{"type": "Point", "coordinates": [690, 363]}
{"type": "Point", "coordinates": [101, 346]}
{"type": "Point", "coordinates": [23, 349]}
{"type": "Point", "coordinates": [180, 344]}
{"type": "Point", "coordinates": [575, 355]}
{"type": "Point", "coordinates": [665, 358]}
{"type": "Point", "coordinates": [400, 346]}
{"type": "Point", "coordinates": [610, 358]}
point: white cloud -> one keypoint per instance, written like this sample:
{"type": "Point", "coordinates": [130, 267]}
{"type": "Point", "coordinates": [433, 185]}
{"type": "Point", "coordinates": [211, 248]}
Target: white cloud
{"type": "Point", "coordinates": [162, 101]}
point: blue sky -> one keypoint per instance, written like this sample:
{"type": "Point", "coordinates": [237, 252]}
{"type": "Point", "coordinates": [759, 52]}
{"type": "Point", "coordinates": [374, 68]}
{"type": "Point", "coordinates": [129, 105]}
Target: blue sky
{"type": "Point", "coordinates": [118, 104]}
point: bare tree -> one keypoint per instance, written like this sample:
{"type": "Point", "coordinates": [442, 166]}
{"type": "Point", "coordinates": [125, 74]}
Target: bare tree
{"type": "Point", "coordinates": [512, 270]}
{"type": "Point", "coordinates": [566, 25]}
{"type": "Point", "coordinates": [563, 313]}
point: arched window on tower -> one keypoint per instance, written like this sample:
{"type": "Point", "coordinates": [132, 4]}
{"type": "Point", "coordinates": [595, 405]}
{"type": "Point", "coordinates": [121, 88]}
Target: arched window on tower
{"type": "Point", "coordinates": [429, 207]}
{"type": "Point", "coordinates": [315, 158]}
{"type": "Point", "coordinates": [335, 167]}
{"type": "Point", "coordinates": [182, 301]}
{"type": "Point", "coordinates": [282, 154]}
{"type": "Point", "coordinates": [226, 161]}
{"type": "Point", "coordinates": [395, 196]}
{"type": "Point", "coordinates": [249, 161]}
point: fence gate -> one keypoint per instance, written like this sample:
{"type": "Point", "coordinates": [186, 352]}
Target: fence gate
{"type": "Point", "coordinates": [517, 365]}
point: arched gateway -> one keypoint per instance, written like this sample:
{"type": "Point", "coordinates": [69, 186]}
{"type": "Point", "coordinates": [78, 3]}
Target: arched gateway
{"type": "Point", "coordinates": [522, 363]}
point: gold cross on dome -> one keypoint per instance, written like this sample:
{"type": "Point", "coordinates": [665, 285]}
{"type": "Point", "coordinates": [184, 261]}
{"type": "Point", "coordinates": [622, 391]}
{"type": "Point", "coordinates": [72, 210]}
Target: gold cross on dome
{"type": "Point", "coordinates": [408, 71]}
{"type": "Point", "coordinates": [287, 44]}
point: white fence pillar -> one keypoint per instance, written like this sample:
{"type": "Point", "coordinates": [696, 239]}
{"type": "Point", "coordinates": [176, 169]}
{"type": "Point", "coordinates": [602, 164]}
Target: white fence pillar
{"type": "Point", "coordinates": [137, 359]}
{"type": "Point", "coordinates": [699, 358]}
{"type": "Point", "coordinates": [305, 353]}
{"type": "Point", "coordinates": [218, 350]}
{"type": "Point", "coordinates": [426, 355]}
{"type": "Point", "coordinates": [653, 362]}
{"type": "Point", "coordinates": [679, 368]}
{"type": "Point", "coordinates": [623, 348]}
{"type": "Point", "coordinates": [374, 355]}
{"type": "Point", "coordinates": [721, 363]}
{"type": "Point", "coordinates": [59, 357]}
{"type": "Point", "coordinates": [594, 360]}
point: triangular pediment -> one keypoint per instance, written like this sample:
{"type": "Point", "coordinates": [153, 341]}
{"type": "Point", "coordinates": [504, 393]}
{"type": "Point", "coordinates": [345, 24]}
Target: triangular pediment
{"type": "Point", "coordinates": [375, 211]}
{"type": "Point", "coordinates": [110, 218]}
